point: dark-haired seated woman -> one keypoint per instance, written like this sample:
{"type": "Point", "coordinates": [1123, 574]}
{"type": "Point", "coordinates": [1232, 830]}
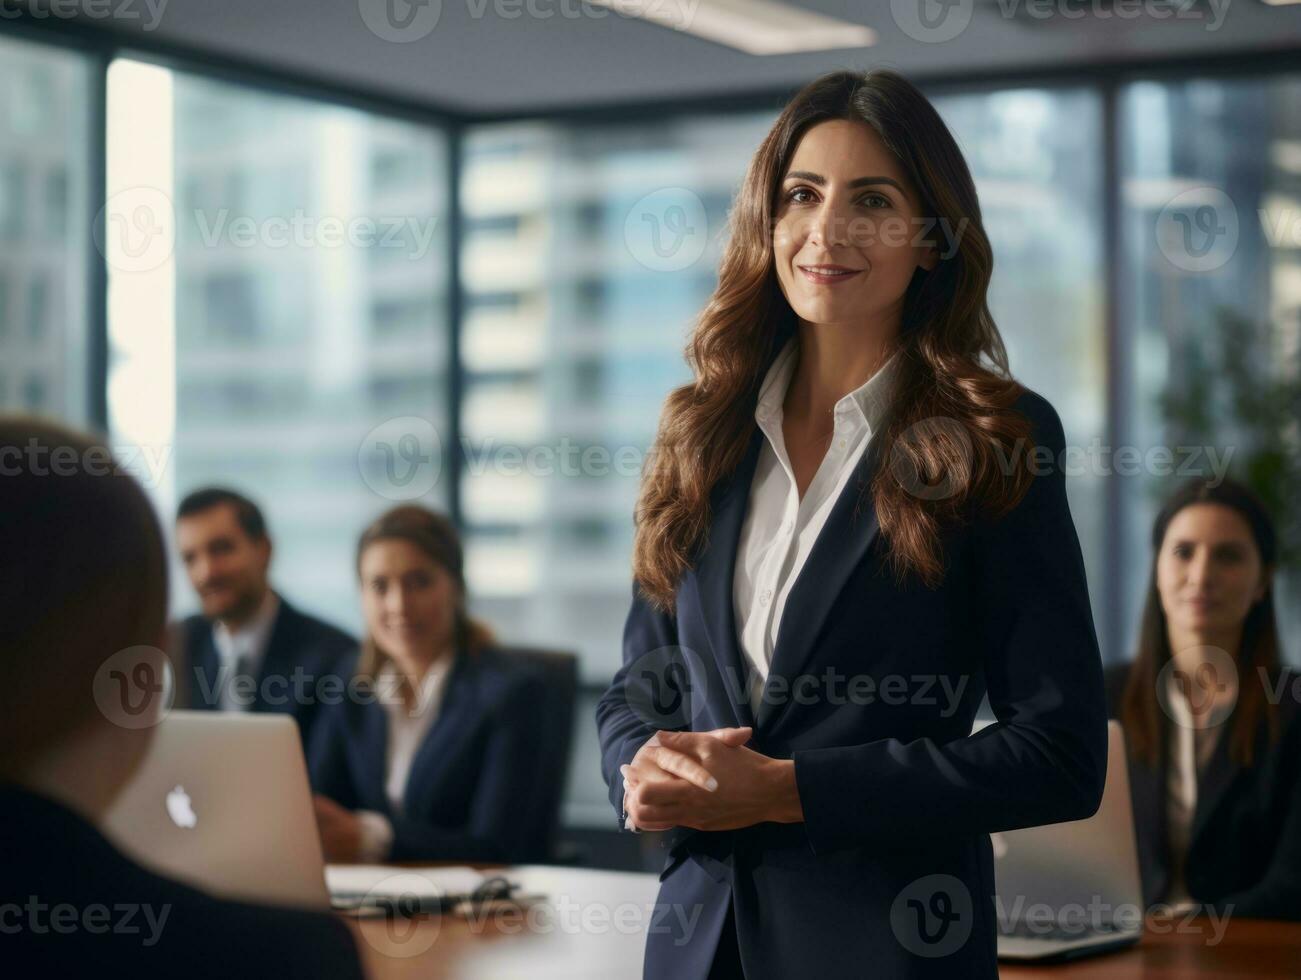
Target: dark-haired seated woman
{"type": "Point", "coordinates": [1212, 721]}
{"type": "Point", "coordinates": [432, 753]}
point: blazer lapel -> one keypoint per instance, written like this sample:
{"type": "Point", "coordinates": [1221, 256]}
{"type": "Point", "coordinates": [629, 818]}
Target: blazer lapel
{"type": "Point", "coordinates": [842, 542]}
{"type": "Point", "coordinates": [371, 747]}
{"type": "Point", "coordinates": [277, 659]}
{"type": "Point", "coordinates": [455, 720]}
{"type": "Point", "coordinates": [1212, 784]}
{"type": "Point", "coordinates": [714, 577]}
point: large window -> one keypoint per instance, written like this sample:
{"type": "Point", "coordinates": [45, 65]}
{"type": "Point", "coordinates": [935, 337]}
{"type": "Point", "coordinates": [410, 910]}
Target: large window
{"type": "Point", "coordinates": [279, 294]}
{"type": "Point", "coordinates": [290, 330]}
{"type": "Point", "coordinates": [1034, 155]}
{"type": "Point", "coordinates": [587, 253]}
{"type": "Point", "coordinates": [44, 224]}
{"type": "Point", "coordinates": [1211, 300]}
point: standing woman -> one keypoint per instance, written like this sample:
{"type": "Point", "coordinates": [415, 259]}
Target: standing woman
{"type": "Point", "coordinates": [844, 541]}
{"type": "Point", "coordinates": [433, 752]}
{"type": "Point", "coordinates": [1212, 719]}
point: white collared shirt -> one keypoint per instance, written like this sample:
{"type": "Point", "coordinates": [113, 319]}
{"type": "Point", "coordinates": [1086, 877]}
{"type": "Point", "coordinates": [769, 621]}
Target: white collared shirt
{"type": "Point", "coordinates": [407, 731]}
{"type": "Point", "coordinates": [1191, 749]}
{"type": "Point", "coordinates": [780, 529]}
{"type": "Point", "coordinates": [249, 641]}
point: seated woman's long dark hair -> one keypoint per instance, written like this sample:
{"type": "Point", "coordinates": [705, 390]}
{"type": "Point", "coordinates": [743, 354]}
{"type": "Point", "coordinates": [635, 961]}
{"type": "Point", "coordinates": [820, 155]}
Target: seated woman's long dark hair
{"type": "Point", "coordinates": [1141, 713]}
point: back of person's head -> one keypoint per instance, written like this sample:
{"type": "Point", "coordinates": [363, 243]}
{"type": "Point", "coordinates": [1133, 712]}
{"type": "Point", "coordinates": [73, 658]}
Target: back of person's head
{"type": "Point", "coordinates": [83, 578]}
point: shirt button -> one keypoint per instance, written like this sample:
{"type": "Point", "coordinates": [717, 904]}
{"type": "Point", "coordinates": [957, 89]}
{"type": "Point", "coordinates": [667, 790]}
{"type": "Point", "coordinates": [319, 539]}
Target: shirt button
{"type": "Point", "coordinates": [765, 596]}
{"type": "Point", "coordinates": [842, 443]}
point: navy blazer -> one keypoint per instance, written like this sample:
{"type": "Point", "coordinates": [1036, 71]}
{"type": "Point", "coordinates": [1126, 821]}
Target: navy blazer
{"type": "Point", "coordinates": [147, 925]}
{"type": "Point", "coordinates": [1244, 847]}
{"type": "Point", "coordinates": [297, 641]}
{"type": "Point", "coordinates": [474, 784]}
{"type": "Point", "coordinates": [891, 873]}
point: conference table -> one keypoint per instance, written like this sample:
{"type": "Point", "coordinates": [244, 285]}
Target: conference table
{"type": "Point", "coordinates": [592, 924]}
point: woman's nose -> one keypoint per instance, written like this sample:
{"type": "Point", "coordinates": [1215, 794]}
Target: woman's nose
{"type": "Point", "coordinates": [829, 227]}
{"type": "Point", "coordinates": [1199, 570]}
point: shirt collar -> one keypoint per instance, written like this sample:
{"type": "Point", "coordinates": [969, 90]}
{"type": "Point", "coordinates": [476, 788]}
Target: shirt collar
{"type": "Point", "coordinates": [253, 635]}
{"type": "Point", "coordinates": [869, 401]}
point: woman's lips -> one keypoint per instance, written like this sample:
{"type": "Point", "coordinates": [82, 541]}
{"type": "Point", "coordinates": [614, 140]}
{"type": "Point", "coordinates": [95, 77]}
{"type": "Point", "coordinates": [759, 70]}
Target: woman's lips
{"type": "Point", "coordinates": [826, 275]}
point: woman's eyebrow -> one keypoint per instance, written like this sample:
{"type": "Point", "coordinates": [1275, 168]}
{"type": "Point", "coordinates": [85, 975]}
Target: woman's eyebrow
{"type": "Point", "coordinates": [818, 179]}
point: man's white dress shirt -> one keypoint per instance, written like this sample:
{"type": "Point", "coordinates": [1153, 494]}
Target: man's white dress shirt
{"type": "Point", "coordinates": [241, 652]}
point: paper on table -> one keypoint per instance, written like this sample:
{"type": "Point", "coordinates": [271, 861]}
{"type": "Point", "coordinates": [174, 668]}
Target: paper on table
{"type": "Point", "coordinates": [381, 880]}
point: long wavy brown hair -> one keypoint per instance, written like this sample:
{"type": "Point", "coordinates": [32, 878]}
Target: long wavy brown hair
{"type": "Point", "coordinates": [1140, 711]}
{"type": "Point", "coordinates": [945, 332]}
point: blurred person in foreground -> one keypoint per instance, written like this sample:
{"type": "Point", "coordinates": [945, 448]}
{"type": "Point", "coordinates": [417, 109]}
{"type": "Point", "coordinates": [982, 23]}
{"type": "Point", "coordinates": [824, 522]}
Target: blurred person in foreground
{"type": "Point", "coordinates": [83, 599]}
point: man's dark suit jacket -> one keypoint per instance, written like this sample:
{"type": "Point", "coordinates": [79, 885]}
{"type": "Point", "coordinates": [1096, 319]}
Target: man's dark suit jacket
{"type": "Point", "coordinates": [891, 873]}
{"type": "Point", "coordinates": [72, 905]}
{"type": "Point", "coordinates": [1245, 843]}
{"type": "Point", "coordinates": [474, 779]}
{"type": "Point", "coordinates": [297, 643]}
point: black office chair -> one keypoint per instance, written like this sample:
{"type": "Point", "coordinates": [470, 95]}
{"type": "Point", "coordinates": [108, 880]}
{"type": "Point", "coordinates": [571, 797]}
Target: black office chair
{"type": "Point", "coordinates": [559, 673]}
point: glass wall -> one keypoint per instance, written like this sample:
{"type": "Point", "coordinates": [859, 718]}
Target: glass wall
{"type": "Point", "coordinates": [278, 296]}
{"type": "Point", "coordinates": [587, 253]}
{"type": "Point", "coordinates": [1034, 154]}
{"type": "Point", "coordinates": [45, 98]}
{"type": "Point", "coordinates": [1211, 301]}
{"type": "Point", "coordinates": [309, 323]}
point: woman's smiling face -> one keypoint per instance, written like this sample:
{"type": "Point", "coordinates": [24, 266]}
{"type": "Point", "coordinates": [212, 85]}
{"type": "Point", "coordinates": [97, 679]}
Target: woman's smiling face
{"type": "Point", "coordinates": [845, 201]}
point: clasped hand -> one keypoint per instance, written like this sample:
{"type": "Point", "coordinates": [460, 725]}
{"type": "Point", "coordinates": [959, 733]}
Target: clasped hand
{"type": "Point", "coordinates": [707, 781]}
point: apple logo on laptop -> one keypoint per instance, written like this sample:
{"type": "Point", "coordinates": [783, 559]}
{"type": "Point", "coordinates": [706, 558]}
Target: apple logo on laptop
{"type": "Point", "coordinates": [179, 809]}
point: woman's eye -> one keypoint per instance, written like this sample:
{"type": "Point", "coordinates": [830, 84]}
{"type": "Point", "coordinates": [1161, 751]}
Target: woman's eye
{"type": "Point", "coordinates": [876, 201]}
{"type": "Point", "coordinates": [799, 190]}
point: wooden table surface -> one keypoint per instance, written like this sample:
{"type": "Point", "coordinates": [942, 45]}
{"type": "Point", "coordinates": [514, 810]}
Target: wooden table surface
{"type": "Point", "coordinates": [593, 925]}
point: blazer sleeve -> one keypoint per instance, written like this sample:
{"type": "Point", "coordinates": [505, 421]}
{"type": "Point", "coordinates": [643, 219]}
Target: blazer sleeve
{"type": "Point", "coordinates": [499, 825]}
{"type": "Point", "coordinates": [621, 730]}
{"type": "Point", "coordinates": [328, 767]}
{"type": "Point", "coordinates": [1278, 894]}
{"type": "Point", "coordinates": [1045, 759]}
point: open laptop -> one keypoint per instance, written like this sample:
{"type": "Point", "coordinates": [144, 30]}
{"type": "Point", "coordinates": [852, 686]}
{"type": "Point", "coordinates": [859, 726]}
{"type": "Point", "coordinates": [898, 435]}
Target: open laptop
{"type": "Point", "coordinates": [222, 802]}
{"type": "Point", "coordinates": [1072, 889]}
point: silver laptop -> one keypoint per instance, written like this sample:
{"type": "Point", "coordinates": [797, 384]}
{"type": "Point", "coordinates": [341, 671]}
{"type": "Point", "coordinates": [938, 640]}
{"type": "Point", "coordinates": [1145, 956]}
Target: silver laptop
{"type": "Point", "coordinates": [1072, 889]}
{"type": "Point", "coordinates": [221, 802]}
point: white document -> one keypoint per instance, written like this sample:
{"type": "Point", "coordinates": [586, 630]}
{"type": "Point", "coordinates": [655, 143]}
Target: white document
{"type": "Point", "coordinates": [388, 881]}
